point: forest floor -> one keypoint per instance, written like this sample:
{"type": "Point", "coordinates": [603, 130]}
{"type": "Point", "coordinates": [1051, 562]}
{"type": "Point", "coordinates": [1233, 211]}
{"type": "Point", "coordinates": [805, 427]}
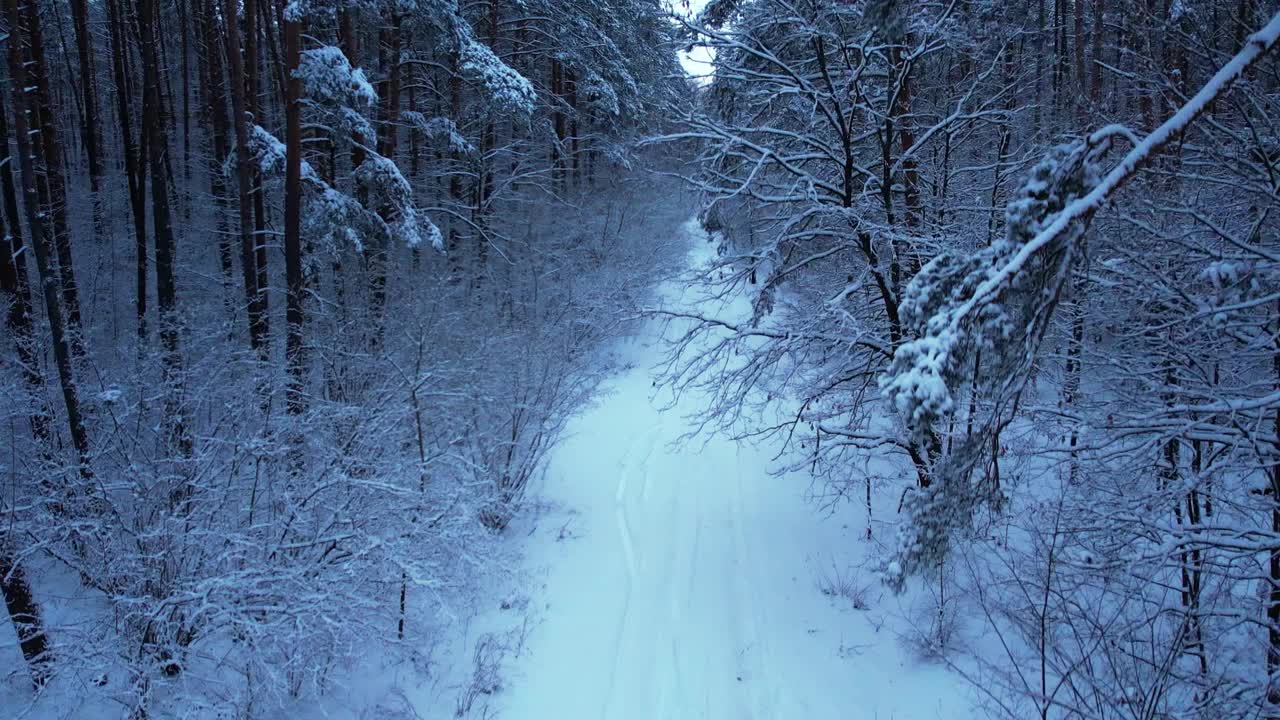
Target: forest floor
{"type": "Point", "coordinates": [679, 579]}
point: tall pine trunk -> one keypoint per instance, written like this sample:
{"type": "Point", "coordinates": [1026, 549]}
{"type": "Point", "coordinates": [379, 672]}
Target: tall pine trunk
{"type": "Point", "coordinates": [169, 323]}
{"type": "Point", "coordinates": [388, 136]}
{"type": "Point", "coordinates": [25, 101]}
{"type": "Point", "coordinates": [215, 114]}
{"type": "Point", "coordinates": [253, 92]}
{"type": "Point", "coordinates": [134, 177]}
{"type": "Point", "coordinates": [292, 218]}
{"type": "Point", "coordinates": [51, 184]}
{"type": "Point", "coordinates": [454, 246]}
{"type": "Point", "coordinates": [89, 99]}
{"type": "Point", "coordinates": [14, 281]}
{"type": "Point", "coordinates": [244, 180]}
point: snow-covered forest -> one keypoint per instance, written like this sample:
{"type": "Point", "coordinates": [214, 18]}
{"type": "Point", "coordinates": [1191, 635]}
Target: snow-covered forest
{"type": "Point", "coordinates": [609, 359]}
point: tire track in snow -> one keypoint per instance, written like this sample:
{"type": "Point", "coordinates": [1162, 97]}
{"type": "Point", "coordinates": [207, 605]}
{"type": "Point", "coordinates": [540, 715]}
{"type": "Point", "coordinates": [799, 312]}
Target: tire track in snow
{"type": "Point", "coordinates": [624, 534]}
{"type": "Point", "coordinates": [747, 577]}
{"type": "Point", "coordinates": [627, 540]}
{"type": "Point", "coordinates": [677, 570]}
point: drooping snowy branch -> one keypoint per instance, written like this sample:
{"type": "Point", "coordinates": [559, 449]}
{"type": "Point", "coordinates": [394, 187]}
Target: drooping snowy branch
{"type": "Point", "coordinates": [334, 216]}
{"type": "Point", "coordinates": [442, 130]}
{"type": "Point", "coordinates": [387, 188]}
{"type": "Point", "coordinates": [333, 86]}
{"type": "Point", "coordinates": [918, 379]}
{"type": "Point", "coordinates": [507, 88]}
{"type": "Point", "coordinates": [1005, 332]}
{"type": "Point", "coordinates": [978, 319]}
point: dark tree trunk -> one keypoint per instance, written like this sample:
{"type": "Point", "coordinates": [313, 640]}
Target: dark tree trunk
{"type": "Point", "coordinates": [454, 246]}
{"type": "Point", "coordinates": [411, 87]}
{"type": "Point", "coordinates": [485, 169]}
{"type": "Point", "coordinates": [351, 48]}
{"type": "Point", "coordinates": [388, 137]}
{"type": "Point", "coordinates": [51, 182]}
{"type": "Point", "coordinates": [89, 98]}
{"type": "Point", "coordinates": [184, 19]}
{"type": "Point", "coordinates": [557, 121]}
{"type": "Point", "coordinates": [268, 23]}
{"type": "Point", "coordinates": [1078, 41]}
{"type": "Point", "coordinates": [17, 285]}
{"type": "Point", "coordinates": [292, 219]}
{"type": "Point", "coordinates": [134, 177]}
{"type": "Point", "coordinates": [910, 173]}
{"type": "Point", "coordinates": [244, 179]}
{"type": "Point", "coordinates": [24, 612]}
{"type": "Point", "coordinates": [253, 91]}
{"type": "Point", "coordinates": [1095, 70]}
{"type": "Point", "coordinates": [153, 122]}
{"type": "Point", "coordinates": [215, 112]}
{"type": "Point", "coordinates": [25, 98]}
{"type": "Point", "coordinates": [571, 83]}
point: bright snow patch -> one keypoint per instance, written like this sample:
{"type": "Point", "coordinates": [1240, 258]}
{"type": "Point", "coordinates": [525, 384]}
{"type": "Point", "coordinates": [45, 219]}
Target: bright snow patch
{"type": "Point", "coordinates": [683, 581]}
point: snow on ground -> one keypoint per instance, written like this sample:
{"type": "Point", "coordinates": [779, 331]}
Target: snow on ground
{"type": "Point", "coordinates": [682, 580]}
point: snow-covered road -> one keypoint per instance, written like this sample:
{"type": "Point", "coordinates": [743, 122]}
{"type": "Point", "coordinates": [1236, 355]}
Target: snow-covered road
{"type": "Point", "coordinates": [681, 580]}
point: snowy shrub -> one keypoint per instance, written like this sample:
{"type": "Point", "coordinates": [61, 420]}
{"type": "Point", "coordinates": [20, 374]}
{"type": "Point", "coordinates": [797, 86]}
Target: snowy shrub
{"type": "Point", "coordinates": [843, 584]}
{"type": "Point", "coordinates": [491, 654]}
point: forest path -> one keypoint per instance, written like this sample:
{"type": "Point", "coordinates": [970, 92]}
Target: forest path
{"type": "Point", "coordinates": [681, 578]}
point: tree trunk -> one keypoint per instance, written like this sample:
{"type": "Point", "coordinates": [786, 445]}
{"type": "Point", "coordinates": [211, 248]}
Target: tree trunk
{"type": "Point", "coordinates": [51, 182]}
{"type": "Point", "coordinates": [454, 246]}
{"type": "Point", "coordinates": [261, 299]}
{"type": "Point", "coordinates": [1095, 70]}
{"type": "Point", "coordinates": [244, 186]}
{"type": "Point", "coordinates": [184, 19]}
{"type": "Point", "coordinates": [15, 282]}
{"type": "Point", "coordinates": [292, 218]}
{"type": "Point", "coordinates": [910, 171]}
{"type": "Point", "coordinates": [135, 178]}
{"type": "Point", "coordinates": [24, 99]}
{"type": "Point", "coordinates": [558, 122]}
{"type": "Point", "coordinates": [575, 164]}
{"type": "Point", "coordinates": [486, 165]}
{"type": "Point", "coordinates": [24, 612]}
{"type": "Point", "coordinates": [351, 48]}
{"type": "Point", "coordinates": [1039, 53]}
{"type": "Point", "coordinates": [215, 112]}
{"type": "Point", "coordinates": [388, 139]}
{"type": "Point", "coordinates": [88, 79]}
{"type": "Point", "coordinates": [153, 122]}
{"type": "Point", "coordinates": [1081, 84]}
